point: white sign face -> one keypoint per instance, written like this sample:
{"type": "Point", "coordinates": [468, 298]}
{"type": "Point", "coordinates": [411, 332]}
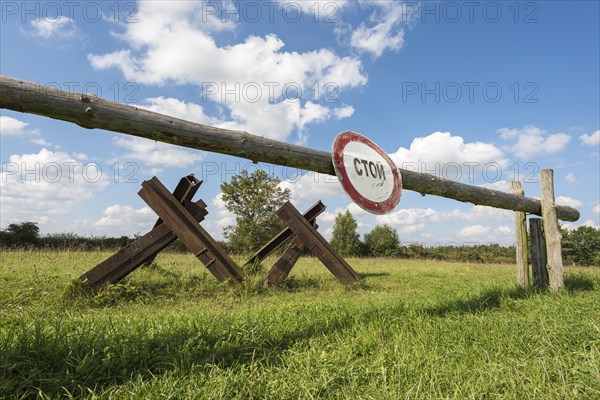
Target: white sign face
{"type": "Point", "coordinates": [366, 173]}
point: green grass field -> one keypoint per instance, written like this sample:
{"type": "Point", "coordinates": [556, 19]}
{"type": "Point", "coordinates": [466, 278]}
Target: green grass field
{"type": "Point", "coordinates": [413, 329]}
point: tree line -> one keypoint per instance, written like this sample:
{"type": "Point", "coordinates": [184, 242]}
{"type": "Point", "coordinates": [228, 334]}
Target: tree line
{"type": "Point", "coordinates": [254, 198]}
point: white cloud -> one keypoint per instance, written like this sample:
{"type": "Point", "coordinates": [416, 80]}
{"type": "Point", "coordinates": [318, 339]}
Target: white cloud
{"type": "Point", "coordinates": [530, 141]}
{"type": "Point", "coordinates": [571, 178]}
{"type": "Point", "coordinates": [327, 217]}
{"type": "Point", "coordinates": [448, 156]}
{"type": "Point", "coordinates": [591, 140]}
{"type": "Point", "coordinates": [218, 217]}
{"type": "Point", "coordinates": [596, 209]}
{"type": "Point", "coordinates": [41, 142]}
{"type": "Point", "coordinates": [13, 127]}
{"type": "Point", "coordinates": [311, 187]}
{"type": "Point", "coordinates": [408, 216]}
{"type": "Point", "coordinates": [504, 230]}
{"type": "Point", "coordinates": [587, 222]}
{"type": "Point", "coordinates": [46, 28]}
{"type": "Point", "coordinates": [412, 220]}
{"type": "Point", "coordinates": [156, 153]}
{"type": "Point", "coordinates": [255, 79]}
{"type": "Point", "coordinates": [355, 210]}
{"type": "Point", "coordinates": [406, 229]}
{"type": "Point", "coordinates": [343, 112]}
{"type": "Point", "coordinates": [125, 220]}
{"type": "Point", "coordinates": [568, 201]}
{"type": "Point", "coordinates": [474, 231]}
{"type": "Point", "coordinates": [38, 185]}
{"type": "Point", "coordinates": [485, 213]}
{"type": "Point", "coordinates": [591, 224]}
{"type": "Point", "coordinates": [385, 33]}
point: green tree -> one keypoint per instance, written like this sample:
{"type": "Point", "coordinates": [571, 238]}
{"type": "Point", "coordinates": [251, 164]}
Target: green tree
{"type": "Point", "coordinates": [382, 241]}
{"type": "Point", "coordinates": [345, 239]}
{"type": "Point", "coordinates": [24, 234]}
{"type": "Point", "coordinates": [581, 245]}
{"type": "Point", "coordinates": [253, 198]}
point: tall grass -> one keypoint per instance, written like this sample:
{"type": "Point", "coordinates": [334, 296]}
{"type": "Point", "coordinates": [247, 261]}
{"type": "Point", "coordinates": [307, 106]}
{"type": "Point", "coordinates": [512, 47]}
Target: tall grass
{"type": "Point", "coordinates": [412, 329]}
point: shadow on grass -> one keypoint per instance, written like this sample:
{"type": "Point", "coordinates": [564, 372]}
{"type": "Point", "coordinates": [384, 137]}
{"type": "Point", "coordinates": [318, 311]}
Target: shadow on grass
{"type": "Point", "coordinates": [492, 298]}
{"type": "Point", "coordinates": [54, 355]}
{"type": "Point", "coordinates": [489, 299]}
{"type": "Point", "coordinates": [154, 267]}
{"type": "Point", "coordinates": [578, 283]}
{"type": "Point", "coordinates": [373, 274]}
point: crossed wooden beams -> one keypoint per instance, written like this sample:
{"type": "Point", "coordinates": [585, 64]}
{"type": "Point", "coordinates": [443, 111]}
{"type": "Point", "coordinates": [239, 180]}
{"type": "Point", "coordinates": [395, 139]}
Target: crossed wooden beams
{"type": "Point", "coordinates": [179, 217]}
{"type": "Point", "coordinates": [303, 230]}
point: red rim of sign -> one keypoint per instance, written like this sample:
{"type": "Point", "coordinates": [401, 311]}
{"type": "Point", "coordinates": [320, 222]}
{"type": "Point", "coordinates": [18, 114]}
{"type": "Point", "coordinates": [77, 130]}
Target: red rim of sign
{"type": "Point", "coordinates": [339, 145]}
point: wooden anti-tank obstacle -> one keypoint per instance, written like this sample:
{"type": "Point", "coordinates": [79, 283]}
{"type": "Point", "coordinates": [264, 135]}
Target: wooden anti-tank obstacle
{"type": "Point", "coordinates": [179, 217]}
{"type": "Point", "coordinates": [191, 234]}
{"type": "Point", "coordinates": [144, 249]}
{"type": "Point", "coordinates": [303, 231]}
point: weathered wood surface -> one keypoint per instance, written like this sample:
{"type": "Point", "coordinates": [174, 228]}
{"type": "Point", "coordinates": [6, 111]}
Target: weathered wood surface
{"type": "Point", "coordinates": [313, 212]}
{"type": "Point", "coordinates": [184, 192]}
{"type": "Point", "coordinates": [551, 230]}
{"type": "Point", "coordinates": [539, 261]}
{"type": "Point", "coordinates": [139, 252]}
{"type": "Point", "coordinates": [92, 112]}
{"type": "Point", "coordinates": [521, 239]}
{"type": "Point", "coordinates": [191, 234]}
{"type": "Point", "coordinates": [316, 243]}
{"type": "Point", "coordinates": [282, 267]}
{"type": "Point", "coordinates": [144, 249]}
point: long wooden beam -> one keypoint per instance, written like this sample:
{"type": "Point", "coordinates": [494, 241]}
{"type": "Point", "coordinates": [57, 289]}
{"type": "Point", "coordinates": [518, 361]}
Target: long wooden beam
{"type": "Point", "coordinates": [92, 112]}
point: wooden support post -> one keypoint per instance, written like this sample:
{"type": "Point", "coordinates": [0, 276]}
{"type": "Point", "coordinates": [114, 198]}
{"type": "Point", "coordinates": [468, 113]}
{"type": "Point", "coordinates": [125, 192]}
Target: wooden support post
{"type": "Point", "coordinates": [551, 230]}
{"type": "Point", "coordinates": [521, 239]}
{"type": "Point", "coordinates": [316, 243]}
{"type": "Point", "coordinates": [538, 253]}
{"type": "Point", "coordinates": [191, 234]}
{"type": "Point", "coordinates": [144, 249]}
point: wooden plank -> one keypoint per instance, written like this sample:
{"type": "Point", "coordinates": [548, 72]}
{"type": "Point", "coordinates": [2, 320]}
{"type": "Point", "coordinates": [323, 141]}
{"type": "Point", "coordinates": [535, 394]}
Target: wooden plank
{"type": "Point", "coordinates": [313, 212]}
{"type": "Point", "coordinates": [191, 234]}
{"type": "Point", "coordinates": [316, 243]}
{"type": "Point", "coordinates": [539, 260]}
{"type": "Point", "coordinates": [521, 239]}
{"type": "Point", "coordinates": [139, 252]}
{"type": "Point", "coordinates": [281, 269]}
{"type": "Point", "coordinates": [94, 113]}
{"type": "Point", "coordinates": [184, 192]}
{"type": "Point", "coordinates": [551, 230]}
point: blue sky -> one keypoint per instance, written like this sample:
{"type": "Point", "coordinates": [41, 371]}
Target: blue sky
{"type": "Point", "coordinates": [481, 92]}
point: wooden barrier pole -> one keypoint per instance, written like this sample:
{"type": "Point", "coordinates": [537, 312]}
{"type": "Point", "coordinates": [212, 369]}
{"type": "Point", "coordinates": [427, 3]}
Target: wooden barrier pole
{"type": "Point", "coordinates": [92, 112]}
{"type": "Point", "coordinates": [521, 239]}
{"type": "Point", "coordinates": [539, 260]}
{"type": "Point", "coordinates": [551, 230]}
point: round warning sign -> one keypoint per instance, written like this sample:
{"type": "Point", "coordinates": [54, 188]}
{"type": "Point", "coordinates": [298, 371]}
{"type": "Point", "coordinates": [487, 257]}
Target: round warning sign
{"type": "Point", "coordinates": [366, 173]}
